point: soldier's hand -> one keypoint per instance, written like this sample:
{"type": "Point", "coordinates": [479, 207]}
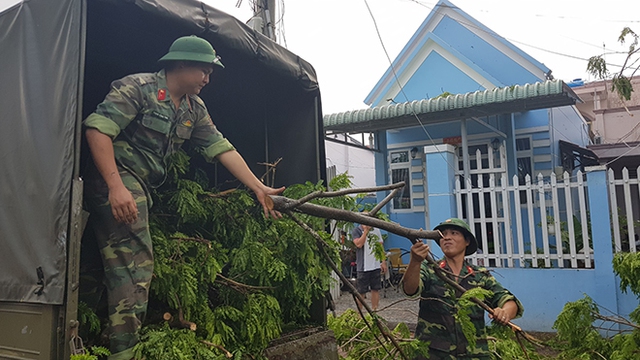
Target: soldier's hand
{"type": "Point", "coordinates": [419, 251]}
{"type": "Point", "coordinates": [501, 316]}
{"type": "Point", "coordinates": [123, 205]}
{"type": "Point", "coordinates": [262, 194]}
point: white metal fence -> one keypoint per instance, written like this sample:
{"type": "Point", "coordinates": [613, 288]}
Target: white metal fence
{"type": "Point", "coordinates": [536, 224]}
{"type": "Point", "coordinates": [546, 222]}
{"type": "Point", "coordinates": [624, 204]}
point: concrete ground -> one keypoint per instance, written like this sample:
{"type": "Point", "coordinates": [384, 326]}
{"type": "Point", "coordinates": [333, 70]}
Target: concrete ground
{"type": "Point", "coordinates": [394, 306]}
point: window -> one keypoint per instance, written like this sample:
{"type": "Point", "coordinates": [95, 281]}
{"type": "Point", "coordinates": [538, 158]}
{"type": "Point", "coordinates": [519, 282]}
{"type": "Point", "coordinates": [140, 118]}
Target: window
{"type": "Point", "coordinates": [400, 171]}
{"type": "Point", "coordinates": [524, 155]}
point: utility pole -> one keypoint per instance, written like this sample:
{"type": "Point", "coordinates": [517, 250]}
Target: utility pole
{"type": "Point", "coordinates": [264, 12]}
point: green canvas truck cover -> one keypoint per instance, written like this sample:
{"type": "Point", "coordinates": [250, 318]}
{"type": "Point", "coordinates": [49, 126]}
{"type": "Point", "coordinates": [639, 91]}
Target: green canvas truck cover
{"type": "Point", "coordinates": [57, 59]}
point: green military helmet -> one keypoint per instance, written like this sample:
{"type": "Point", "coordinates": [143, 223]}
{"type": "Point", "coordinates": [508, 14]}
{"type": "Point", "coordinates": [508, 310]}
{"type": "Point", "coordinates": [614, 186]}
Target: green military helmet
{"type": "Point", "coordinates": [460, 225]}
{"type": "Point", "coordinates": [192, 48]}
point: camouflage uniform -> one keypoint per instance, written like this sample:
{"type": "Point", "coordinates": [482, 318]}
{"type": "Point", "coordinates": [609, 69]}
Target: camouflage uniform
{"type": "Point", "coordinates": [436, 321]}
{"type": "Point", "coordinates": [145, 127]}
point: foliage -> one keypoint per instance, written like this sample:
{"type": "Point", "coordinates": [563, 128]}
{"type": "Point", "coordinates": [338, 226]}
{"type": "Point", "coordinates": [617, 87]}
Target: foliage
{"type": "Point", "coordinates": [620, 83]}
{"type": "Point", "coordinates": [92, 354]}
{"type": "Point", "coordinates": [219, 263]}
{"type": "Point", "coordinates": [504, 345]}
{"type": "Point", "coordinates": [577, 333]}
{"type": "Point", "coordinates": [359, 341]}
{"type": "Point", "coordinates": [443, 95]}
{"type": "Point", "coordinates": [164, 343]}
{"type": "Point", "coordinates": [88, 318]}
{"type": "Point", "coordinates": [627, 267]}
{"type": "Point", "coordinates": [465, 305]}
{"type": "Point", "coordinates": [578, 336]}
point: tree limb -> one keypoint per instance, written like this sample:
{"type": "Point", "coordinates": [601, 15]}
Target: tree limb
{"type": "Point", "coordinates": [225, 351]}
{"type": "Point", "coordinates": [324, 194]}
{"type": "Point", "coordinates": [284, 204]}
{"type": "Point", "coordinates": [321, 246]}
{"type": "Point", "coordinates": [230, 282]}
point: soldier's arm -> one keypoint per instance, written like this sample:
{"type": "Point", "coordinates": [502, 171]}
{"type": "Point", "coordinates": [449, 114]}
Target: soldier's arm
{"type": "Point", "coordinates": [123, 205]}
{"type": "Point", "coordinates": [238, 167]}
{"type": "Point", "coordinates": [119, 108]}
{"type": "Point", "coordinates": [411, 279]}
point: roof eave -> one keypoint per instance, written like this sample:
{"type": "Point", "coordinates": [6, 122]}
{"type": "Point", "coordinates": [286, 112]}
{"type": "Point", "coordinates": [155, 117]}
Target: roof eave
{"type": "Point", "coordinates": [564, 98]}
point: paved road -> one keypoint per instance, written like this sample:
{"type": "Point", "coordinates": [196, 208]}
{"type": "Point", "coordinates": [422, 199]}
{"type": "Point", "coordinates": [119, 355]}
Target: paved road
{"type": "Point", "coordinates": [394, 306]}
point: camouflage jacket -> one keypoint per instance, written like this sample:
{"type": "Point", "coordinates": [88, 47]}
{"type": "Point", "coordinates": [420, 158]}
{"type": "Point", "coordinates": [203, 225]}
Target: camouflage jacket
{"type": "Point", "coordinates": [438, 306]}
{"type": "Point", "coordinates": [145, 127]}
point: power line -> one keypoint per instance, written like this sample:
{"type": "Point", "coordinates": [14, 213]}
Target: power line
{"type": "Point", "coordinates": [494, 34]}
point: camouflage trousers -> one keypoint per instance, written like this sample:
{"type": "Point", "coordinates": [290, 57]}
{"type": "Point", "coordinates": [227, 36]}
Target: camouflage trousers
{"type": "Point", "coordinates": [127, 258]}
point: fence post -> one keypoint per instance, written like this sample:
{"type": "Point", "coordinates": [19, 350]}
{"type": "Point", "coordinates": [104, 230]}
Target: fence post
{"type": "Point", "coordinates": [440, 164]}
{"type": "Point", "coordinates": [600, 218]}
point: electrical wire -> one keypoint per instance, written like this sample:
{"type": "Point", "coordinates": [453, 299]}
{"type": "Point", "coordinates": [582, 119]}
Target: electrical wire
{"type": "Point", "coordinates": [401, 87]}
{"type": "Point", "coordinates": [396, 78]}
{"type": "Point", "coordinates": [436, 9]}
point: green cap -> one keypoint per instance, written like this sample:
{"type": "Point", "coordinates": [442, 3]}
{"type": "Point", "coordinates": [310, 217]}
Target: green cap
{"type": "Point", "coordinates": [192, 48]}
{"type": "Point", "coordinates": [460, 225]}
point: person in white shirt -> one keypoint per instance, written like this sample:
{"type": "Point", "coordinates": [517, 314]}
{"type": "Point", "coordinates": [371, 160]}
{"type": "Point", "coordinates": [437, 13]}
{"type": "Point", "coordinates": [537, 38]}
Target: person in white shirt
{"type": "Point", "coordinates": [368, 267]}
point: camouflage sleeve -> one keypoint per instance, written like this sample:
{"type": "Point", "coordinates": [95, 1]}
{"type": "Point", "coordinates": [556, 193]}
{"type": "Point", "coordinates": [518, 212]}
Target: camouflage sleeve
{"type": "Point", "coordinates": [206, 136]}
{"type": "Point", "coordinates": [501, 295]}
{"type": "Point", "coordinates": [425, 276]}
{"type": "Point", "coordinates": [119, 108]}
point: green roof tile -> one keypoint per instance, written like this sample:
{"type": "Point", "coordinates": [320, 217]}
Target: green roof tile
{"type": "Point", "coordinates": [516, 98]}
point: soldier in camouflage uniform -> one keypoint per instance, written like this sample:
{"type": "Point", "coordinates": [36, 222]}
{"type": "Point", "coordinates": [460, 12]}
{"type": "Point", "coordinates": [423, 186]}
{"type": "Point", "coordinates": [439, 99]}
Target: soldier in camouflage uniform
{"type": "Point", "coordinates": [438, 303]}
{"type": "Point", "coordinates": [142, 120]}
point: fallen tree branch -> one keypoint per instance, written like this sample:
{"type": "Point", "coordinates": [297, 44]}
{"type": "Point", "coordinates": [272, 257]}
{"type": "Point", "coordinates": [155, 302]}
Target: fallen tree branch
{"type": "Point", "coordinates": [321, 246]}
{"type": "Point", "coordinates": [287, 205]}
{"type": "Point", "coordinates": [284, 204]}
{"type": "Point", "coordinates": [225, 351]}
{"type": "Point", "coordinates": [199, 240]}
{"type": "Point", "coordinates": [233, 283]}
{"type": "Point", "coordinates": [324, 194]}
{"type": "Point", "coordinates": [384, 202]}
{"type": "Point", "coordinates": [179, 322]}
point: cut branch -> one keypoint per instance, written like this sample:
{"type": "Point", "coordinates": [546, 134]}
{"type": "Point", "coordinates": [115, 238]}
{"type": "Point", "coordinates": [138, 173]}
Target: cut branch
{"type": "Point", "coordinates": [284, 204]}
{"type": "Point", "coordinates": [179, 322]}
{"type": "Point", "coordinates": [325, 194]}
{"type": "Point", "coordinates": [225, 351]}
{"type": "Point", "coordinates": [199, 240]}
{"type": "Point", "coordinates": [384, 202]}
{"type": "Point", "coordinates": [236, 284]}
{"type": "Point", "coordinates": [321, 246]}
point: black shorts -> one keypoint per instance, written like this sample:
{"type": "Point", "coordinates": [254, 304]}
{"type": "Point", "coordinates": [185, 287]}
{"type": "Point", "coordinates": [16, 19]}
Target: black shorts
{"type": "Point", "coordinates": [368, 280]}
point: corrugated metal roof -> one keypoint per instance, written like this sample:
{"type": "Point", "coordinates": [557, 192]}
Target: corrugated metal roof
{"type": "Point", "coordinates": [516, 98]}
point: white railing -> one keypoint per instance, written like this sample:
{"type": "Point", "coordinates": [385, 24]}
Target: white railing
{"type": "Point", "coordinates": [623, 201]}
{"type": "Point", "coordinates": [530, 225]}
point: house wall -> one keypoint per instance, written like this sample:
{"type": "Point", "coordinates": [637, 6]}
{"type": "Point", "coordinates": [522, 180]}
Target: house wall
{"type": "Point", "coordinates": [610, 122]}
{"type": "Point", "coordinates": [567, 124]}
{"type": "Point", "coordinates": [357, 162]}
{"type": "Point", "coordinates": [543, 291]}
{"type": "Point", "coordinates": [452, 52]}
{"type": "Point", "coordinates": [459, 35]}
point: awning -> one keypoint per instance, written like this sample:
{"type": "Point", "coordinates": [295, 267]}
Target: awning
{"type": "Point", "coordinates": [606, 152]}
{"type": "Point", "coordinates": [510, 99]}
{"type": "Point", "coordinates": [574, 156]}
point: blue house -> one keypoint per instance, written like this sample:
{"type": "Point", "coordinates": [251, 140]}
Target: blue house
{"type": "Point", "coordinates": [478, 129]}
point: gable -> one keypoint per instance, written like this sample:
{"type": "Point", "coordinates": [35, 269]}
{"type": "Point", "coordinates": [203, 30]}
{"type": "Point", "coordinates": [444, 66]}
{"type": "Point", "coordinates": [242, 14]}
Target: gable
{"type": "Point", "coordinates": [492, 56]}
{"type": "Point", "coordinates": [434, 68]}
{"type": "Point", "coordinates": [479, 50]}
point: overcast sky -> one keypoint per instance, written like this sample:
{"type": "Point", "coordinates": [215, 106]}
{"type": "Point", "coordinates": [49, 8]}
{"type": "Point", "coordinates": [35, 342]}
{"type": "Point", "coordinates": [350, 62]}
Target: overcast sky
{"type": "Point", "coordinates": [339, 39]}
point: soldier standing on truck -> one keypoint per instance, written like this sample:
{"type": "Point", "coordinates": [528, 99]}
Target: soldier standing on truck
{"type": "Point", "coordinates": [142, 120]}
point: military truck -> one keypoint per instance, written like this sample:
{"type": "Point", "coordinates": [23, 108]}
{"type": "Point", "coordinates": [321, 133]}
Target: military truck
{"type": "Point", "coordinates": [58, 58]}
